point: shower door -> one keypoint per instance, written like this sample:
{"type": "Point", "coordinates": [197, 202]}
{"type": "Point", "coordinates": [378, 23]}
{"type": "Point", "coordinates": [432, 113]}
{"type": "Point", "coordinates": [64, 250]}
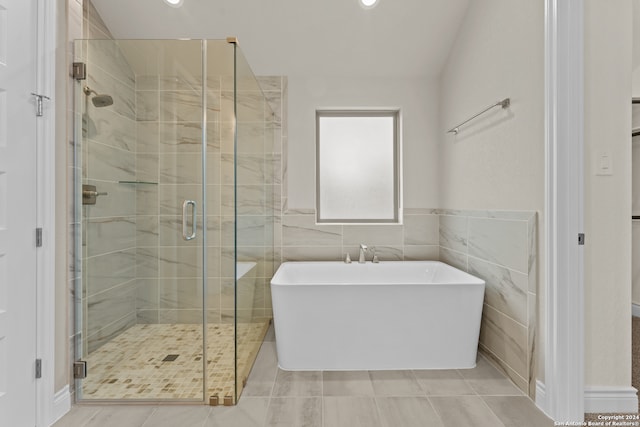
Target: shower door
{"type": "Point", "coordinates": [141, 155]}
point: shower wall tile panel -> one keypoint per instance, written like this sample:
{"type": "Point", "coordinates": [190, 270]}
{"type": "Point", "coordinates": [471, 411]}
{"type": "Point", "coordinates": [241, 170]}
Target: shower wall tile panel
{"type": "Point", "coordinates": [169, 130]}
{"type": "Point", "coordinates": [501, 248]}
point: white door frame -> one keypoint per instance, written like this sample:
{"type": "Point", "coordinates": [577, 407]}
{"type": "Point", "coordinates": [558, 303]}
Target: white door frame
{"type": "Point", "coordinates": [562, 394]}
{"type": "Point", "coordinates": [46, 192]}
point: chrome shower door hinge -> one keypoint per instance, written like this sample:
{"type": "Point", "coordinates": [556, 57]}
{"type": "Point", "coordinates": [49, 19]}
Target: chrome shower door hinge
{"type": "Point", "coordinates": [79, 71]}
{"type": "Point", "coordinates": [581, 239]}
{"type": "Point", "coordinates": [38, 368]}
{"type": "Point", "coordinates": [80, 370]}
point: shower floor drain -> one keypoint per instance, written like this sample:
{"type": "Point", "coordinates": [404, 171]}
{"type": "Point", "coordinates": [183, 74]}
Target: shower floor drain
{"type": "Point", "coordinates": [170, 358]}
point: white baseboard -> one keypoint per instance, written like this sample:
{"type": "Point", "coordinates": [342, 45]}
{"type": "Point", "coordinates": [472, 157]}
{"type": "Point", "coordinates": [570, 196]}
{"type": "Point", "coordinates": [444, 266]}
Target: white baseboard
{"type": "Point", "coordinates": [635, 310]}
{"type": "Point", "coordinates": [541, 396]}
{"type": "Point", "coordinates": [610, 399]}
{"type": "Point", "coordinates": [61, 404]}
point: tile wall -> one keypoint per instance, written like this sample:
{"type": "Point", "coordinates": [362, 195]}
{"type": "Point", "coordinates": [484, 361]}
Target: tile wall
{"type": "Point", "coordinates": [108, 157]}
{"type": "Point", "coordinates": [415, 239]}
{"type": "Point", "coordinates": [501, 248]}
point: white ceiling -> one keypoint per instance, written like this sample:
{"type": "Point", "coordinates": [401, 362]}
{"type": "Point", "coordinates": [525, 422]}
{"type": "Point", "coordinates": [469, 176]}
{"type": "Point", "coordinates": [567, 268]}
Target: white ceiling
{"type": "Point", "coordinates": [305, 37]}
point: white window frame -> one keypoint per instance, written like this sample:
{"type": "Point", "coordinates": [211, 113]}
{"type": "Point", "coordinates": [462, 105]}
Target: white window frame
{"type": "Point", "coordinates": [397, 164]}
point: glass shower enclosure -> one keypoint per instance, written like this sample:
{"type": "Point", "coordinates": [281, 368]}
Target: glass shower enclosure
{"type": "Point", "coordinates": [173, 184]}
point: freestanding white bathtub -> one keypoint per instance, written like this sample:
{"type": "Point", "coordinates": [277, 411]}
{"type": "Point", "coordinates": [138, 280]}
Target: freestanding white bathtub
{"type": "Point", "coordinates": [391, 315]}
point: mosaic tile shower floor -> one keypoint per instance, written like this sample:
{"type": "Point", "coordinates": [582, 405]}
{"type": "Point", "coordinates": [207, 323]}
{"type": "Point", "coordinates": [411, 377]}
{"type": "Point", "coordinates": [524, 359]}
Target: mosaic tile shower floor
{"type": "Point", "coordinates": [132, 365]}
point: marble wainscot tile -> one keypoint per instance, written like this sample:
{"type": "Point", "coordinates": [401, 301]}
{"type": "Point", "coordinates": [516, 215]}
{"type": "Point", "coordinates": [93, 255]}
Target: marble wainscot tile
{"type": "Point", "coordinates": [373, 235]}
{"type": "Point", "coordinates": [147, 230]}
{"type": "Point", "coordinates": [313, 253]}
{"type": "Point", "coordinates": [421, 230]}
{"type": "Point", "coordinates": [106, 83]}
{"type": "Point", "coordinates": [179, 261]}
{"type": "Point", "coordinates": [147, 294]}
{"type": "Point", "coordinates": [270, 83]}
{"type": "Point", "coordinates": [505, 338]}
{"type": "Point", "coordinates": [147, 137]}
{"type": "Point", "coordinates": [171, 197]}
{"type": "Point", "coordinates": [532, 345]}
{"type": "Point", "coordinates": [453, 258]}
{"type": "Point", "coordinates": [146, 199]}
{"type": "Point", "coordinates": [249, 199]}
{"type": "Point", "coordinates": [251, 137]}
{"type": "Point", "coordinates": [420, 211]}
{"type": "Point", "coordinates": [110, 234]}
{"type": "Point", "coordinates": [180, 168]}
{"type": "Point", "coordinates": [407, 412]}
{"type": "Point", "coordinates": [106, 271]}
{"type": "Point", "coordinates": [119, 200]}
{"type": "Point", "coordinates": [249, 230]}
{"type": "Point", "coordinates": [188, 316]}
{"type": "Point", "coordinates": [186, 106]}
{"type": "Point", "coordinates": [146, 317]}
{"type": "Point", "coordinates": [250, 106]}
{"type": "Point", "coordinates": [244, 254]}
{"type": "Point", "coordinates": [532, 238]}
{"type": "Point", "coordinates": [384, 253]}
{"type": "Point", "coordinates": [110, 128]}
{"type": "Point", "coordinates": [147, 167]}
{"type": "Point", "coordinates": [184, 82]}
{"type": "Point", "coordinates": [186, 137]}
{"type": "Point", "coordinates": [295, 411]}
{"type": "Point", "coordinates": [273, 168]}
{"type": "Point", "coordinates": [421, 253]}
{"type": "Point", "coordinates": [500, 241]}
{"type": "Point", "coordinates": [249, 169]}
{"type": "Point", "coordinates": [273, 107]}
{"type": "Point", "coordinates": [301, 230]}
{"type": "Point", "coordinates": [180, 293]}
{"type": "Point", "coordinates": [505, 290]}
{"type": "Point", "coordinates": [170, 230]}
{"type": "Point", "coordinates": [147, 262]}
{"type": "Point", "coordinates": [149, 82]}
{"type": "Point", "coordinates": [106, 163]}
{"type": "Point", "coordinates": [110, 306]}
{"type": "Point", "coordinates": [147, 106]}
{"type": "Point", "coordinates": [454, 232]}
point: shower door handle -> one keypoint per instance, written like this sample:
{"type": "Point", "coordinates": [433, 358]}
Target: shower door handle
{"type": "Point", "coordinates": [185, 226]}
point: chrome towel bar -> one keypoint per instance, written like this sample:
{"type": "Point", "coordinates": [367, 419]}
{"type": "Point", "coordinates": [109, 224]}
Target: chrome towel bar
{"type": "Point", "coordinates": [504, 104]}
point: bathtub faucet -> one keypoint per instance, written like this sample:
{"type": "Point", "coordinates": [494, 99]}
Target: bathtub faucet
{"type": "Point", "coordinates": [363, 251]}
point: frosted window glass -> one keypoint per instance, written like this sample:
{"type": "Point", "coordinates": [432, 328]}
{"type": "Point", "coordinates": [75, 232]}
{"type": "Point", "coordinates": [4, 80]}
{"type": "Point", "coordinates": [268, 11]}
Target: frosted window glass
{"type": "Point", "coordinates": [357, 167]}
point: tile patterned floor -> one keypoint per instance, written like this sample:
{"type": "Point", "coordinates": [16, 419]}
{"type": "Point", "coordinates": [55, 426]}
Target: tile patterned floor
{"type": "Point", "coordinates": [134, 365]}
{"type": "Point", "coordinates": [479, 397]}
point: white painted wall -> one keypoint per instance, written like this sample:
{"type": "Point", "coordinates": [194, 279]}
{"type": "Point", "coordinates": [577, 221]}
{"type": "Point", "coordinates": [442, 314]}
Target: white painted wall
{"type": "Point", "coordinates": [608, 35]}
{"type": "Point", "coordinates": [497, 161]}
{"type": "Point", "coordinates": [416, 97]}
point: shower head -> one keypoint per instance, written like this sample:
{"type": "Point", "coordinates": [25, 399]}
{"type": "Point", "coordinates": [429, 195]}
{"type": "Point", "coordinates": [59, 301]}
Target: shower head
{"type": "Point", "coordinates": [98, 100]}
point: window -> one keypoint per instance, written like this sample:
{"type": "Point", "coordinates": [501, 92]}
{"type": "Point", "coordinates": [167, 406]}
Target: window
{"type": "Point", "coordinates": [357, 170]}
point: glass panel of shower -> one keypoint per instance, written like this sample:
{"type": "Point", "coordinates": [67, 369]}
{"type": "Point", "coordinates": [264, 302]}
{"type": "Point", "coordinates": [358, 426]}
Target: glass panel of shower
{"type": "Point", "coordinates": [173, 186]}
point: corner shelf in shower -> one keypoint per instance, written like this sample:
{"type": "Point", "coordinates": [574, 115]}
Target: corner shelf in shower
{"type": "Point", "coordinates": [138, 182]}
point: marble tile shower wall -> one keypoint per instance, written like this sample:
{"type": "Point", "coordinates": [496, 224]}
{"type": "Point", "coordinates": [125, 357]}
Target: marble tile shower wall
{"type": "Point", "coordinates": [168, 156]}
{"type": "Point", "coordinates": [501, 248]}
{"type": "Point", "coordinates": [108, 227]}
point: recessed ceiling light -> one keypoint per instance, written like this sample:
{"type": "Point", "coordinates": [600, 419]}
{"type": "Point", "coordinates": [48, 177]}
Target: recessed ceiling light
{"type": "Point", "coordinates": [367, 4]}
{"type": "Point", "coordinates": [174, 3]}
